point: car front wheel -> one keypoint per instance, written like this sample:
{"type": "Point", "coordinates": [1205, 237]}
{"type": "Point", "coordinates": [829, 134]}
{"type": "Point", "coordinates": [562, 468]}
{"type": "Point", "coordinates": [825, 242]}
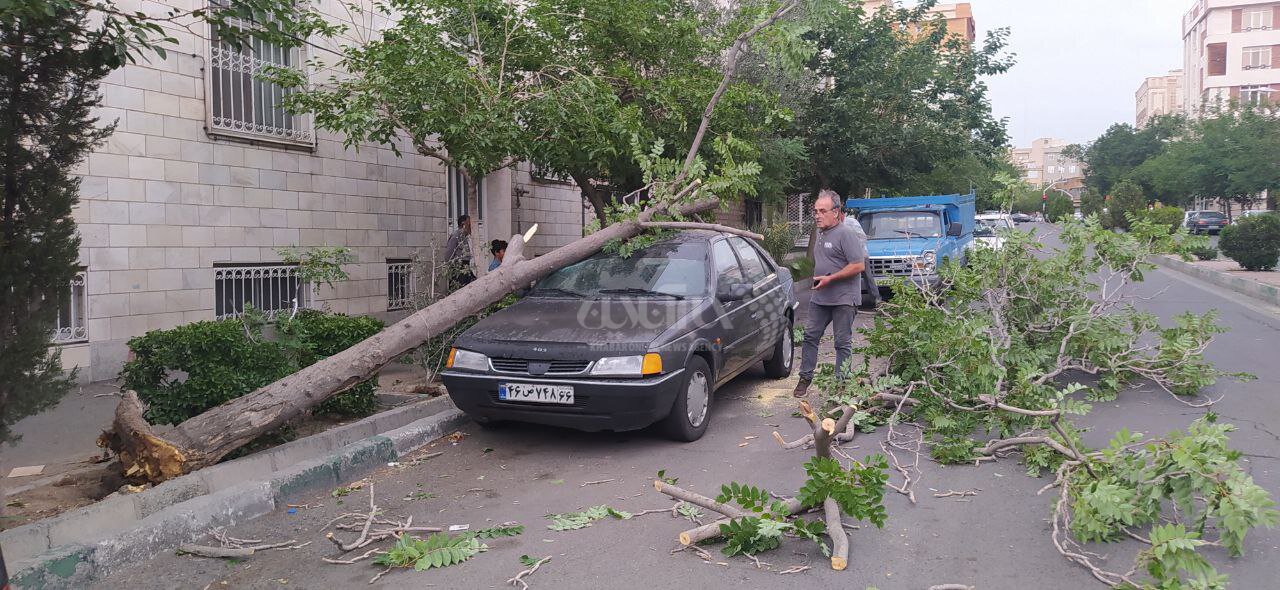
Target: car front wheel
{"type": "Point", "coordinates": [692, 409]}
{"type": "Point", "coordinates": [779, 366]}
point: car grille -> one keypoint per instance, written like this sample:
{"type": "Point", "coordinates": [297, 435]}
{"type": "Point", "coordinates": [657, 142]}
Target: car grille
{"type": "Point", "coordinates": [521, 366]}
{"type": "Point", "coordinates": [892, 266]}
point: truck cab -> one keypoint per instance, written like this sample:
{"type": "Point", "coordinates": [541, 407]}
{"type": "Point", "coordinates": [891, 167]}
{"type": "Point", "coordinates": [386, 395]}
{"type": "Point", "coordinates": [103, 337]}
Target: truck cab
{"type": "Point", "coordinates": [909, 237]}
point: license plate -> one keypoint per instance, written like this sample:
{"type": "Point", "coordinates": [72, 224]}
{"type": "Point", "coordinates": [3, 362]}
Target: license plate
{"type": "Point", "coordinates": [1215, 227]}
{"type": "Point", "coordinates": [536, 392]}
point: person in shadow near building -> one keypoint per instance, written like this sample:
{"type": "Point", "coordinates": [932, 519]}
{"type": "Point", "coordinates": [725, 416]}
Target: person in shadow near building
{"type": "Point", "coordinates": [457, 254]}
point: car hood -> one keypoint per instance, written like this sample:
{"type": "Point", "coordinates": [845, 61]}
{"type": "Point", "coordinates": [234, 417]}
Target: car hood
{"type": "Point", "coordinates": [901, 246]}
{"type": "Point", "coordinates": [548, 328]}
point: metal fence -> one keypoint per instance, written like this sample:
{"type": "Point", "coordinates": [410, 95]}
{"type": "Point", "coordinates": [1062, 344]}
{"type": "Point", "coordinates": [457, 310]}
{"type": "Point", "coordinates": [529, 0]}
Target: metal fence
{"type": "Point", "coordinates": [268, 288]}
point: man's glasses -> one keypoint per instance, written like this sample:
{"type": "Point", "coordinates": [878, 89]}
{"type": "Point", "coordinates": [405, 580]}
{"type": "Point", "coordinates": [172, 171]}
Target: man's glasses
{"type": "Point", "coordinates": [824, 211]}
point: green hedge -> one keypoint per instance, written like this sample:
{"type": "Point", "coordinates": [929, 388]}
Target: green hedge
{"type": "Point", "coordinates": [182, 372]}
{"type": "Point", "coordinates": [1253, 242]}
{"type": "Point", "coordinates": [1170, 216]}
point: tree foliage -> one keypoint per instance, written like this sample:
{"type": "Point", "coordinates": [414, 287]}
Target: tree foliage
{"type": "Point", "coordinates": [999, 357]}
{"type": "Point", "coordinates": [49, 73]}
{"type": "Point", "coordinates": [896, 104]}
{"type": "Point", "coordinates": [1253, 242]}
{"type": "Point", "coordinates": [1226, 154]}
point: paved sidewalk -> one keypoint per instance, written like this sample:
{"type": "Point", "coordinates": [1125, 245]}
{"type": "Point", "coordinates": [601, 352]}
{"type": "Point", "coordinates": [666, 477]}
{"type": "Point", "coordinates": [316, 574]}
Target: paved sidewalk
{"type": "Point", "coordinates": [63, 437]}
{"type": "Point", "coordinates": [1231, 268]}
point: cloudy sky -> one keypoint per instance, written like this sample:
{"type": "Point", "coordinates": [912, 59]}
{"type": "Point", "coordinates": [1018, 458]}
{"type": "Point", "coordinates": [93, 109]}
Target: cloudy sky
{"type": "Point", "coordinates": [1079, 61]}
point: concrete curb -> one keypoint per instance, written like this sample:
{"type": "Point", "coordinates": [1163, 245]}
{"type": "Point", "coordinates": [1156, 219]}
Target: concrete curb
{"type": "Point", "coordinates": [72, 549]}
{"type": "Point", "coordinates": [1247, 287]}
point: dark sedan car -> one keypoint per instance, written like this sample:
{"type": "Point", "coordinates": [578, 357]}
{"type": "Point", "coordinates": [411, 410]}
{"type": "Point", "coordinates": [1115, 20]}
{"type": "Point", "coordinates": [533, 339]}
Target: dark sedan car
{"type": "Point", "coordinates": [620, 343]}
{"type": "Point", "coordinates": [1210, 222]}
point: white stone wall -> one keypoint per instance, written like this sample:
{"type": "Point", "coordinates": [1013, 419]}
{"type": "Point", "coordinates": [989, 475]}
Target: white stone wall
{"type": "Point", "coordinates": [556, 207]}
{"type": "Point", "coordinates": [163, 200]}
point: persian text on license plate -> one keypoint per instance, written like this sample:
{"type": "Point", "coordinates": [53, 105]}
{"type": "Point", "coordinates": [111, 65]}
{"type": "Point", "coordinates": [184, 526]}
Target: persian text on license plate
{"type": "Point", "coordinates": [536, 392]}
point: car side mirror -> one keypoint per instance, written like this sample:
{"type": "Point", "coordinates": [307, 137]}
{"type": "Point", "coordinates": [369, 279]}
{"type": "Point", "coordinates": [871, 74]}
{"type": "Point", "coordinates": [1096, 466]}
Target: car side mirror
{"type": "Point", "coordinates": [955, 230]}
{"type": "Point", "coordinates": [733, 292]}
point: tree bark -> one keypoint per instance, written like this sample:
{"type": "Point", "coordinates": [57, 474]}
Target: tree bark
{"type": "Point", "coordinates": [205, 439]}
{"type": "Point", "coordinates": [594, 196]}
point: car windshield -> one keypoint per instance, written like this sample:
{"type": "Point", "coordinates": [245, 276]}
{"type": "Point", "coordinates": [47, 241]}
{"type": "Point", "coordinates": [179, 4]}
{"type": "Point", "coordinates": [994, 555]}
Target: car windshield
{"type": "Point", "coordinates": [982, 230]}
{"type": "Point", "coordinates": [661, 270]}
{"type": "Point", "coordinates": [885, 225]}
{"type": "Point", "coordinates": [997, 223]}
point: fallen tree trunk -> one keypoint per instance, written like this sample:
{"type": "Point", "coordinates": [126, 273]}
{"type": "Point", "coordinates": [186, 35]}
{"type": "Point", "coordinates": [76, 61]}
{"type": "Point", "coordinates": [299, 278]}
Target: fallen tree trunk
{"type": "Point", "coordinates": [205, 439]}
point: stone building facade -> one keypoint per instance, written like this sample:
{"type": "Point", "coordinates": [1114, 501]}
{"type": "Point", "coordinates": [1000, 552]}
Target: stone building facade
{"type": "Point", "coordinates": [185, 207]}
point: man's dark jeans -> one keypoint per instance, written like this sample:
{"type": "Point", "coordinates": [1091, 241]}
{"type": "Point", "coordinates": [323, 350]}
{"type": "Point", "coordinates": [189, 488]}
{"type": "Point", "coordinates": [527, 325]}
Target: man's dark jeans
{"type": "Point", "coordinates": [815, 324]}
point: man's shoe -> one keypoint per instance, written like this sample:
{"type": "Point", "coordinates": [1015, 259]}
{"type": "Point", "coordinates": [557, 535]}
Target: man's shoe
{"type": "Point", "coordinates": [802, 388]}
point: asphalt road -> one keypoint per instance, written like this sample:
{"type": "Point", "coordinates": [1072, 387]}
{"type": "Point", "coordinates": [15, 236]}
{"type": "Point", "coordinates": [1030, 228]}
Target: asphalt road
{"type": "Point", "coordinates": [998, 539]}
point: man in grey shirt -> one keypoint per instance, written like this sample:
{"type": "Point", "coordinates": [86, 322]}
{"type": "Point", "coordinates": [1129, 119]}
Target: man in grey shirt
{"type": "Point", "coordinates": [838, 260]}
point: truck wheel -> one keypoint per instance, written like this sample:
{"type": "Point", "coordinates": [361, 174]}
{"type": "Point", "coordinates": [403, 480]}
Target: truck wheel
{"type": "Point", "coordinates": [691, 411]}
{"type": "Point", "coordinates": [779, 366]}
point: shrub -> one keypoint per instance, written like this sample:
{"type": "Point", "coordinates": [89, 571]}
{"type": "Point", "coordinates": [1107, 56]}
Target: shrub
{"type": "Point", "coordinates": [184, 371]}
{"type": "Point", "coordinates": [1170, 216]}
{"type": "Point", "coordinates": [1059, 208]}
{"type": "Point", "coordinates": [801, 268]}
{"type": "Point", "coordinates": [779, 239]}
{"type": "Point", "coordinates": [1204, 252]}
{"type": "Point", "coordinates": [320, 335]}
{"type": "Point", "coordinates": [1253, 242]}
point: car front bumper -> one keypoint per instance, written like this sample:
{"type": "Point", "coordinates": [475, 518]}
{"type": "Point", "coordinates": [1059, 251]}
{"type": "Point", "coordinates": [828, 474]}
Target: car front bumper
{"type": "Point", "coordinates": [599, 404]}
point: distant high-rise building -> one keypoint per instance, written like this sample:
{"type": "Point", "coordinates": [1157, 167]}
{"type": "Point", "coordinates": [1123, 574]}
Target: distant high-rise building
{"type": "Point", "coordinates": [1231, 51]}
{"type": "Point", "coordinates": [958, 16]}
{"type": "Point", "coordinates": [1159, 95]}
{"type": "Point", "coordinates": [1043, 164]}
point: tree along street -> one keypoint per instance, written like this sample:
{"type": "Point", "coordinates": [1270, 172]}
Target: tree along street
{"type": "Point", "coordinates": [998, 538]}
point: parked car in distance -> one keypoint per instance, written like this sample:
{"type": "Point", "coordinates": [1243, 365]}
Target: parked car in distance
{"type": "Point", "coordinates": [1210, 222]}
{"type": "Point", "coordinates": [1187, 215]}
{"type": "Point", "coordinates": [1256, 213]}
{"type": "Point", "coordinates": [990, 228]}
{"type": "Point", "coordinates": [1021, 218]}
{"type": "Point", "coordinates": [620, 343]}
{"type": "Point", "coordinates": [986, 236]}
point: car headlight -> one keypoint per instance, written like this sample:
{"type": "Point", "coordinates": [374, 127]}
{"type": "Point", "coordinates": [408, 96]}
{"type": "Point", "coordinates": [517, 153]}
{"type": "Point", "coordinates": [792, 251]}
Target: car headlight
{"type": "Point", "coordinates": [628, 366]}
{"type": "Point", "coordinates": [926, 262]}
{"type": "Point", "coordinates": [465, 359]}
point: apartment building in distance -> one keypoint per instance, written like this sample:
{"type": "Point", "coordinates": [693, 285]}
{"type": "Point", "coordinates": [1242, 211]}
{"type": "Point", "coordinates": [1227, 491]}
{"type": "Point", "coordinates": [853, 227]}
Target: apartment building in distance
{"type": "Point", "coordinates": [1231, 51]}
{"type": "Point", "coordinates": [958, 16]}
{"type": "Point", "coordinates": [184, 208]}
{"type": "Point", "coordinates": [1159, 95]}
{"type": "Point", "coordinates": [1043, 165]}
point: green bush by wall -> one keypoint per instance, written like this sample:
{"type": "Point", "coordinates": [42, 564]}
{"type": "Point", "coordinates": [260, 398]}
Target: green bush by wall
{"type": "Point", "coordinates": [184, 371]}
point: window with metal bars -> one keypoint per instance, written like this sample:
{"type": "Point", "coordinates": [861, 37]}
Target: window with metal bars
{"type": "Point", "coordinates": [72, 323]}
{"type": "Point", "coordinates": [269, 288]}
{"type": "Point", "coordinates": [241, 104]}
{"type": "Point", "coordinates": [457, 196]}
{"type": "Point", "coordinates": [400, 287]}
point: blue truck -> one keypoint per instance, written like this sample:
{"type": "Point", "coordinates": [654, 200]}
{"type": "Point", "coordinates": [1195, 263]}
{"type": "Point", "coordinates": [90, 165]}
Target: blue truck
{"type": "Point", "coordinates": [909, 237]}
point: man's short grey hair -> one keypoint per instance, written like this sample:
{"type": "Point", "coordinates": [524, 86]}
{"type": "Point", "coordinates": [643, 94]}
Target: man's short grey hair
{"type": "Point", "coordinates": [829, 195]}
